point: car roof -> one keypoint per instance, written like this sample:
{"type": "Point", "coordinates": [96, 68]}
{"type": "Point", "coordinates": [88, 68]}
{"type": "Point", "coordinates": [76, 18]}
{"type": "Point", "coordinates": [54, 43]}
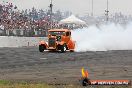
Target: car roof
{"type": "Point", "coordinates": [64, 30]}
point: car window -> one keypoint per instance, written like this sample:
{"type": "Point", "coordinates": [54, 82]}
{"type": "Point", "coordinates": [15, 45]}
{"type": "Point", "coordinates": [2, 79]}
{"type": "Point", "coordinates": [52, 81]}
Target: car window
{"type": "Point", "coordinates": [67, 33]}
{"type": "Point", "coordinates": [57, 33]}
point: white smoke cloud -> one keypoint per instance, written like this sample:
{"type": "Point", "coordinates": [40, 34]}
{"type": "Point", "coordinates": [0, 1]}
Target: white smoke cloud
{"type": "Point", "coordinates": [106, 37]}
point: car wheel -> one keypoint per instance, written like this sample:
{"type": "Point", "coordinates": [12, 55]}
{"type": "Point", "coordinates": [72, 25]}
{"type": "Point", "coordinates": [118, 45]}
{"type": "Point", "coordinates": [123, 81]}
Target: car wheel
{"type": "Point", "coordinates": [41, 48]}
{"type": "Point", "coordinates": [71, 50]}
{"type": "Point", "coordinates": [63, 48]}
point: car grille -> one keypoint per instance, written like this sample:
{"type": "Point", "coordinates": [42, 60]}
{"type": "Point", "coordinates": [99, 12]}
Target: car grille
{"type": "Point", "coordinates": [51, 42]}
{"type": "Point", "coordinates": [58, 38]}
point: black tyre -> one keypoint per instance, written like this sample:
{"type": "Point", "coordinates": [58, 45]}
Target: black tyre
{"type": "Point", "coordinates": [41, 48]}
{"type": "Point", "coordinates": [71, 50]}
{"type": "Point", "coordinates": [63, 48]}
{"type": "Point", "coordinates": [86, 82]}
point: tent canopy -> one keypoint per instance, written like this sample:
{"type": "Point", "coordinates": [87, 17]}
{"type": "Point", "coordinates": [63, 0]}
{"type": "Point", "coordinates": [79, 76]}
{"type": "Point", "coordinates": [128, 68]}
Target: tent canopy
{"type": "Point", "coordinates": [72, 20]}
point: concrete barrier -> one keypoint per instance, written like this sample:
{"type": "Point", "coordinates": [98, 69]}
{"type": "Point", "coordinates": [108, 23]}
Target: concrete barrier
{"type": "Point", "coordinates": [12, 41]}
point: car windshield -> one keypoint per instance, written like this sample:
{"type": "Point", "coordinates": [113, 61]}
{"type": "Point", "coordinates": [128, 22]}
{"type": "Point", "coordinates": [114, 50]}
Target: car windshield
{"type": "Point", "coordinates": [57, 33]}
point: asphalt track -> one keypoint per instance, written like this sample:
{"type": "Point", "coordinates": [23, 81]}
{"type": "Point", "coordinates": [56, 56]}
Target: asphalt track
{"type": "Point", "coordinates": [27, 63]}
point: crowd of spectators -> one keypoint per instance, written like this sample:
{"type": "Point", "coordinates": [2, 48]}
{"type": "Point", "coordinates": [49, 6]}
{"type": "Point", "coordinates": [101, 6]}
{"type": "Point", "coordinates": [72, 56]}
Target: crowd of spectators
{"type": "Point", "coordinates": [12, 18]}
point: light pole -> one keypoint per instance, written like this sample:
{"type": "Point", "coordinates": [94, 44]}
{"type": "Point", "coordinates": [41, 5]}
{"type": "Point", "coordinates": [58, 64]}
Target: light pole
{"type": "Point", "coordinates": [51, 8]}
{"type": "Point", "coordinates": [92, 9]}
{"type": "Point", "coordinates": [107, 11]}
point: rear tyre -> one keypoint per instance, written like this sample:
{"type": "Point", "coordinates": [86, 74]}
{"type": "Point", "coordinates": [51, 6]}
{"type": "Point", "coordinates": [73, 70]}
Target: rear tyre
{"type": "Point", "coordinates": [63, 48]}
{"type": "Point", "coordinates": [41, 48]}
{"type": "Point", "coordinates": [71, 50]}
{"type": "Point", "coordinates": [86, 82]}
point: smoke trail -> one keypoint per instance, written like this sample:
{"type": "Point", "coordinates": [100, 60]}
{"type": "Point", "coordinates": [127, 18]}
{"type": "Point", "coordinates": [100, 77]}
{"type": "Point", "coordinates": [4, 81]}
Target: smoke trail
{"type": "Point", "coordinates": [105, 37]}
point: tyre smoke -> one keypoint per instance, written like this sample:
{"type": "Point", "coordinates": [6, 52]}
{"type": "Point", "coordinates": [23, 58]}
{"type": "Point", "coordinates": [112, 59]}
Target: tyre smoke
{"type": "Point", "coordinates": [103, 38]}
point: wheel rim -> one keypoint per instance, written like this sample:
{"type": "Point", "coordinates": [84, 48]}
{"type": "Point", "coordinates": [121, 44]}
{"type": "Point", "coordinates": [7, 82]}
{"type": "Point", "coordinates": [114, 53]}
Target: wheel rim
{"type": "Point", "coordinates": [64, 48]}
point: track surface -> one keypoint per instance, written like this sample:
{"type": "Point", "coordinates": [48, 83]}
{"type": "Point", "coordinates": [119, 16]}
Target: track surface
{"type": "Point", "coordinates": [28, 63]}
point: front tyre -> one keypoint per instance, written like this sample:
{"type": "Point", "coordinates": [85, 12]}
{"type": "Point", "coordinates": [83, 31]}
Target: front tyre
{"type": "Point", "coordinates": [63, 48]}
{"type": "Point", "coordinates": [41, 48]}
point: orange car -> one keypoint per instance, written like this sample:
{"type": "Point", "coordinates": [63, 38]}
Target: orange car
{"type": "Point", "coordinates": [58, 39]}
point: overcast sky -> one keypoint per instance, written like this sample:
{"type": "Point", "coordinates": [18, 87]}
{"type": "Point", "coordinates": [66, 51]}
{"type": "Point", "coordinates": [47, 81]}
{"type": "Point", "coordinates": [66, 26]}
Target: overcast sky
{"type": "Point", "coordinates": [78, 6]}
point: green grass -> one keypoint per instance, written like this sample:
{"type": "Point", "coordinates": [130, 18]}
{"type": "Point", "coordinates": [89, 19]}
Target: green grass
{"type": "Point", "coordinates": [4, 82]}
{"type": "Point", "coordinates": [24, 84]}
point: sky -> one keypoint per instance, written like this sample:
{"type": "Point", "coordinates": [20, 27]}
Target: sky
{"type": "Point", "coordinates": [78, 6]}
